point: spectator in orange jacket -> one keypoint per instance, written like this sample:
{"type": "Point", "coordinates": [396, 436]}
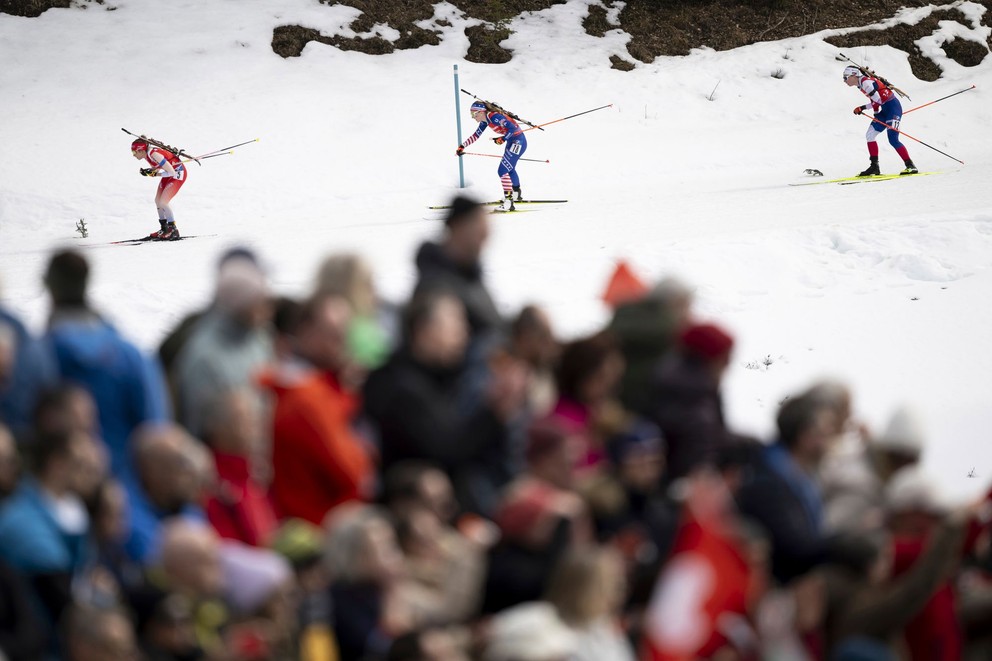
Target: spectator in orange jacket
{"type": "Point", "coordinates": [318, 461]}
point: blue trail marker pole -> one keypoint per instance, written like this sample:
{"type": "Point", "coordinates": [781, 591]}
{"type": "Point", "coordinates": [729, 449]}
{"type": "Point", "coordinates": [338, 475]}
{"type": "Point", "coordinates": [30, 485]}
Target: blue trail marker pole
{"type": "Point", "coordinates": [458, 123]}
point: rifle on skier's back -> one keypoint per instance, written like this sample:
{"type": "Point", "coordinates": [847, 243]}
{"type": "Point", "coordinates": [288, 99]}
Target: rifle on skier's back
{"type": "Point", "coordinates": [158, 143]}
{"type": "Point", "coordinates": [492, 106]}
{"type": "Point", "coordinates": [865, 71]}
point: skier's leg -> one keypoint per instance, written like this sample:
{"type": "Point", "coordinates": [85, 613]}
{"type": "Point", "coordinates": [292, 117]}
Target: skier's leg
{"type": "Point", "coordinates": [506, 181]}
{"type": "Point", "coordinates": [508, 164]}
{"type": "Point", "coordinates": [166, 191]}
{"type": "Point", "coordinates": [900, 148]}
{"type": "Point", "coordinates": [870, 135]}
{"type": "Point", "coordinates": [505, 172]}
{"type": "Point", "coordinates": [158, 194]}
{"type": "Point", "coordinates": [874, 130]}
{"type": "Point", "coordinates": [896, 143]}
{"type": "Point", "coordinates": [514, 150]}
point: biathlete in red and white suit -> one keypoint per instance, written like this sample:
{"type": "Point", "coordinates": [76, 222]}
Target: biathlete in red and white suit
{"type": "Point", "coordinates": [888, 113]}
{"type": "Point", "coordinates": [516, 144]}
{"type": "Point", "coordinates": [170, 168]}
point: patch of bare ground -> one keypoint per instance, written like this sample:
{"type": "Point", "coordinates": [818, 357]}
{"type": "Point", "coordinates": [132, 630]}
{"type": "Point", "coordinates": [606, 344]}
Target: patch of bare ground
{"type": "Point", "coordinates": [903, 37]}
{"type": "Point", "coordinates": [32, 8]}
{"type": "Point", "coordinates": [656, 27]}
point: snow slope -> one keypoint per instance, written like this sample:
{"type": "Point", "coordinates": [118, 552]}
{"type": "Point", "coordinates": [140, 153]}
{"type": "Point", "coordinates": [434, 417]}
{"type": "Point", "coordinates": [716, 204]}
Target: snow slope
{"type": "Point", "coordinates": [884, 285]}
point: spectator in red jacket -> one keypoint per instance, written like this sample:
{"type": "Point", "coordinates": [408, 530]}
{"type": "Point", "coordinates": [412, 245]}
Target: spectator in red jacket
{"type": "Point", "coordinates": [705, 595]}
{"type": "Point", "coordinates": [915, 512]}
{"type": "Point", "coordinates": [318, 461]}
{"type": "Point", "coordinates": [239, 507]}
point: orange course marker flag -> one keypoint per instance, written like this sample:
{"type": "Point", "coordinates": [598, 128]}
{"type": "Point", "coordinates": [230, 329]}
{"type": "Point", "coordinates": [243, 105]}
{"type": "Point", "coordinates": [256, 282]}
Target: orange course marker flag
{"type": "Point", "coordinates": [624, 286]}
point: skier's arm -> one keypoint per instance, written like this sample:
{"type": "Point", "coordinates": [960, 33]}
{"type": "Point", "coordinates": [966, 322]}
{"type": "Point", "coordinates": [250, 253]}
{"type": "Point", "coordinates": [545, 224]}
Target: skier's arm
{"type": "Point", "coordinates": [870, 89]}
{"type": "Point", "coordinates": [475, 136]}
{"type": "Point", "coordinates": [162, 164]}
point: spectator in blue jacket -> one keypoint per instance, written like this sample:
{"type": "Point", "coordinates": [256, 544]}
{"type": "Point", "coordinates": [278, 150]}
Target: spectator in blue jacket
{"type": "Point", "coordinates": [780, 491]}
{"type": "Point", "coordinates": [128, 386]}
{"type": "Point", "coordinates": [171, 468]}
{"type": "Point", "coordinates": [26, 368]}
{"type": "Point", "coordinates": [44, 524]}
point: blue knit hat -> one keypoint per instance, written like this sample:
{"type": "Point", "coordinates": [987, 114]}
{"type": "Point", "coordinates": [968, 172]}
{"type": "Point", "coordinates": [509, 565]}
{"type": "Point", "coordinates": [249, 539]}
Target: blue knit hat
{"type": "Point", "coordinates": [639, 437]}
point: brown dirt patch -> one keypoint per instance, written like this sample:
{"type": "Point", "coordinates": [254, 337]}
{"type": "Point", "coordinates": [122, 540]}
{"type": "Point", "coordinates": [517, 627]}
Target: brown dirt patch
{"type": "Point", "coordinates": [903, 37]}
{"type": "Point", "coordinates": [657, 27]}
{"type": "Point", "coordinates": [966, 52]}
{"type": "Point", "coordinates": [290, 40]}
{"type": "Point", "coordinates": [620, 64]}
{"type": "Point", "coordinates": [667, 27]}
{"type": "Point", "coordinates": [484, 45]}
{"type": "Point", "coordinates": [595, 23]}
{"type": "Point", "coordinates": [32, 8]}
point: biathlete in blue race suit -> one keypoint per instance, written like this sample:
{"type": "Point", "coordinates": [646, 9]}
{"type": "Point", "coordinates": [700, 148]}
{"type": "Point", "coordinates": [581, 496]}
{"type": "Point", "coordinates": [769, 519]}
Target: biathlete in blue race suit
{"type": "Point", "coordinates": [888, 114]}
{"type": "Point", "coordinates": [513, 137]}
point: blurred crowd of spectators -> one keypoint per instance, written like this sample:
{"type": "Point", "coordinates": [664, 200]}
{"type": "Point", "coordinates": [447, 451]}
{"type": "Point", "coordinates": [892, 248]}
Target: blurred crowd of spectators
{"type": "Point", "coordinates": [338, 477]}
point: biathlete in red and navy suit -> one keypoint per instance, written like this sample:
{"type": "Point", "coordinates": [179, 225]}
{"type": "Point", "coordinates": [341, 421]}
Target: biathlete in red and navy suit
{"type": "Point", "coordinates": [516, 144]}
{"type": "Point", "coordinates": [170, 168]}
{"type": "Point", "coordinates": [888, 113]}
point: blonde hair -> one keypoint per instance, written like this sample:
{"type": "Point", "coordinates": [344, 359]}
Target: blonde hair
{"type": "Point", "coordinates": [348, 275]}
{"type": "Point", "coordinates": [582, 582]}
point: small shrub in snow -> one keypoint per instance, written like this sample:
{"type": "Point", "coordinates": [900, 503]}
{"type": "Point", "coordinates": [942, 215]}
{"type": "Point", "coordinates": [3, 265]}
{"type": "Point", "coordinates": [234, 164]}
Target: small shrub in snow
{"type": "Point", "coordinates": [713, 93]}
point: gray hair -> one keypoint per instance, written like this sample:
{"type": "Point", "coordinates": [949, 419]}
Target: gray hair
{"type": "Point", "coordinates": [831, 393]}
{"type": "Point", "coordinates": [670, 289]}
{"type": "Point", "coordinates": [344, 543]}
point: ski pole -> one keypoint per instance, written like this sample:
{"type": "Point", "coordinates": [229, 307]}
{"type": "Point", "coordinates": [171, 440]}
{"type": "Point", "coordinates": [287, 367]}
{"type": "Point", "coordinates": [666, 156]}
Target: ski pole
{"type": "Point", "coordinates": [475, 153]}
{"type": "Point", "coordinates": [200, 158]}
{"type": "Point", "coordinates": [916, 139]}
{"type": "Point", "coordinates": [225, 150]}
{"type": "Point", "coordinates": [555, 121]}
{"type": "Point", "coordinates": [240, 144]}
{"type": "Point", "coordinates": [940, 99]}
{"type": "Point", "coordinates": [208, 155]}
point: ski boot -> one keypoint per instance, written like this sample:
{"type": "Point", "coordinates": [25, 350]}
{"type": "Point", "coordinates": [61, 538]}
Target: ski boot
{"type": "Point", "coordinates": [517, 195]}
{"type": "Point", "coordinates": [507, 203]}
{"type": "Point", "coordinates": [910, 168]}
{"type": "Point", "coordinates": [157, 236]}
{"type": "Point", "coordinates": [171, 233]}
{"type": "Point", "coordinates": [872, 169]}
